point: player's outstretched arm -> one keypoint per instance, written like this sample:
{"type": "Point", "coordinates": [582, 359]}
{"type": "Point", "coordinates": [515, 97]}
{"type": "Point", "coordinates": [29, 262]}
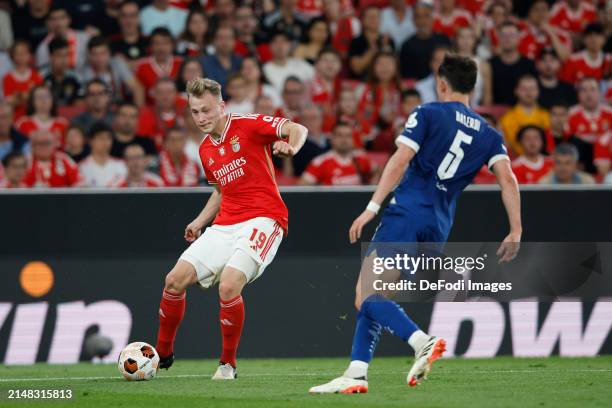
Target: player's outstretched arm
{"type": "Point", "coordinates": [391, 176]}
{"type": "Point", "coordinates": [295, 135]}
{"type": "Point", "coordinates": [512, 201]}
{"type": "Point", "coordinates": [210, 210]}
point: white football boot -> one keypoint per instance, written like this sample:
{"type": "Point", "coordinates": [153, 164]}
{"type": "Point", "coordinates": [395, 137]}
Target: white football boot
{"type": "Point", "coordinates": [424, 358]}
{"type": "Point", "coordinates": [342, 385]}
{"type": "Point", "coordinates": [225, 372]}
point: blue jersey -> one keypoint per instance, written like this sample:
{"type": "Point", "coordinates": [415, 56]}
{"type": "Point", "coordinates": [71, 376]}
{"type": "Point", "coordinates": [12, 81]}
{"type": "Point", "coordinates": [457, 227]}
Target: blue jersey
{"type": "Point", "coordinates": [451, 143]}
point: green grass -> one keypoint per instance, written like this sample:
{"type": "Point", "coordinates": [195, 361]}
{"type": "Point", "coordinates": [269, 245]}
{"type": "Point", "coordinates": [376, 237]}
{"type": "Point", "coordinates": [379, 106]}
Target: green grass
{"type": "Point", "coordinates": [500, 382]}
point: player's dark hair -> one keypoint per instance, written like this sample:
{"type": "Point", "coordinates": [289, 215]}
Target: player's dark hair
{"type": "Point", "coordinates": [97, 128]}
{"type": "Point", "coordinates": [6, 161]}
{"type": "Point", "coordinates": [57, 43]}
{"type": "Point", "coordinates": [97, 41]}
{"type": "Point", "coordinates": [460, 72]}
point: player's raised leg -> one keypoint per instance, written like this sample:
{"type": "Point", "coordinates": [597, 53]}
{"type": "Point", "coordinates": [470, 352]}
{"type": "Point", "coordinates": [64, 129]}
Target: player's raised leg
{"type": "Point", "coordinates": [172, 309]}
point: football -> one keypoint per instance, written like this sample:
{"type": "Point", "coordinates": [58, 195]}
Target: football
{"type": "Point", "coordinates": [138, 361]}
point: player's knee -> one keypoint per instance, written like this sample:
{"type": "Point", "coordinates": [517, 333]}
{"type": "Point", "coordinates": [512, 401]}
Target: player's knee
{"type": "Point", "coordinates": [229, 289]}
{"type": "Point", "coordinates": [174, 283]}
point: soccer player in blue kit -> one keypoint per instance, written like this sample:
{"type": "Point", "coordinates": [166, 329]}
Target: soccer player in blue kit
{"type": "Point", "coordinates": [443, 146]}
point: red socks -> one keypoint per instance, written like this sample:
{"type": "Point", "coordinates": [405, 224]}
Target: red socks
{"type": "Point", "coordinates": [231, 316]}
{"type": "Point", "coordinates": [171, 311]}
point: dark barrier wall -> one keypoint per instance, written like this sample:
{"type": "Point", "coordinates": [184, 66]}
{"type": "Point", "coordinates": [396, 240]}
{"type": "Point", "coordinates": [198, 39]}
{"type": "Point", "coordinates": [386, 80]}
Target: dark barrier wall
{"type": "Point", "coordinates": [110, 252]}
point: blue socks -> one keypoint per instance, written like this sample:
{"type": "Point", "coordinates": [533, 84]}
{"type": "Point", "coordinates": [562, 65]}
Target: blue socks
{"type": "Point", "coordinates": [365, 339]}
{"type": "Point", "coordinates": [390, 315]}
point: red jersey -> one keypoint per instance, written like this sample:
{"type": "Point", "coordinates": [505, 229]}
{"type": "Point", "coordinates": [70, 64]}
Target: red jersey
{"type": "Point", "coordinates": [186, 174]}
{"type": "Point", "coordinates": [574, 21]}
{"type": "Point", "coordinates": [148, 72]}
{"type": "Point", "coordinates": [533, 41]}
{"type": "Point", "coordinates": [60, 171]}
{"type": "Point", "coordinates": [240, 163]}
{"type": "Point", "coordinates": [484, 176]}
{"type": "Point", "coordinates": [324, 95]}
{"type": "Point", "coordinates": [14, 82]}
{"type": "Point", "coordinates": [589, 126]}
{"type": "Point", "coordinates": [149, 180]}
{"type": "Point", "coordinates": [473, 6]}
{"type": "Point", "coordinates": [448, 25]}
{"type": "Point", "coordinates": [362, 131]}
{"type": "Point", "coordinates": [29, 124]}
{"type": "Point", "coordinates": [602, 152]}
{"type": "Point", "coordinates": [579, 65]}
{"type": "Point", "coordinates": [376, 100]}
{"type": "Point", "coordinates": [527, 172]}
{"type": "Point", "coordinates": [155, 125]}
{"type": "Point", "coordinates": [330, 169]}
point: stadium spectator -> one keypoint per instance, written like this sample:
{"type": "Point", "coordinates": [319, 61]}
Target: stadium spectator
{"type": "Point", "coordinates": [410, 100]}
{"type": "Point", "coordinates": [317, 142]}
{"type": "Point", "coordinates": [112, 70]}
{"type": "Point", "coordinates": [15, 166]}
{"type": "Point", "coordinates": [552, 90]}
{"type": "Point", "coordinates": [30, 21]}
{"type": "Point", "coordinates": [190, 69]}
{"type": "Point", "coordinates": [126, 120]}
{"type": "Point", "coordinates": [592, 61]}
{"type": "Point", "coordinates": [558, 132]}
{"type": "Point", "coordinates": [281, 66]}
{"type": "Point", "coordinates": [565, 167]}
{"type": "Point", "coordinates": [250, 40]}
{"type": "Point", "coordinates": [222, 13]}
{"type": "Point", "coordinates": [364, 48]}
{"type": "Point", "coordinates": [396, 21]}
{"type": "Point", "coordinates": [342, 165]}
{"type": "Point", "coordinates": [265, 105]}
{"type": "Point", "coordinates": [11, 140]}
{"type": "Point", "coordinates": [317, 37]}
{"type": "Point", "coordinates": [498, 13]}
{"type": "Point", "coordinates": [588, 121]}
{"type": "Point", "coordinates": [175, 167]}
{"type": "Point", "coordinates": [58, 24]}
{"type": "Point", "coordinates": [255, 82]}
{"type": "Point", "coordinates": [223, 62]}
{"type": "Point", "coordinates": [294, 99]}
{"type": "Point", "coordinates": [238, 101]}
{"type": "Point", "coordinates": [602, 154]}
{"type": "Point", "coordinates": [347, 111]}
{"type": "Point", "coordinates": [63, 82]}
{"type": "Point", "coordinates": [42, 115]}
{"type": "Point", "coordinates": [426, 87]}
{"type": "Point", "coordinates": [465, 45]}
{"type": "Point", "coordinates": [137, 176]}
{"type": "Point", "coordinates": [160, 14]}
{"type": "Point", "coordinates": [508, 66]}
{"type": "Point", "coordinates": [449, 18]}
{"type": "Point", "coordinates": [165, 113]}
{"type": "Point", "coordinates": [18, 82]}
{"type": "Point", "coordinates": [161, 64]}
{"type": "Point", "coordinates": [540, 34]}
{"type": "Point", "coordinates": [100, 169]}
{"type": "Point", "coordinates": [286, 19]}
{"type": "Point", "coordinates": [572, 15]}
{"type": "Point", "coordinates": [532, 165]}
{"type": "Point", "coordinates": [93, 16]}
{"type": "Point", "coordinates": [128, 42]}
{"type": "Point", "coordinates": [193, 41]}
{"type": "Point", "coordinates": [76, 145]}
{"type": "Point", "coordinates": [50, 167]}
{"type": "Point", "coordinates": [6, 30]}
{"type": "Point", "coordinates": [343, 26]}
{"type": "Point", "coordinates": [194, 140]}
{"type": "Point", "coordinates": [525, 112]}
{"type": "Point", "coordinates": [415, 54]}
{"type": "Point", "coordinates": [325, 86]}
{"type": "Point", "coordinates": [97, 106]}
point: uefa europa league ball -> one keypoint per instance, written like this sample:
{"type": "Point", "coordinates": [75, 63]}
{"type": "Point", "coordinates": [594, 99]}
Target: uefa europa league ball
{"type": "Point", "coordinates": [138, 361]}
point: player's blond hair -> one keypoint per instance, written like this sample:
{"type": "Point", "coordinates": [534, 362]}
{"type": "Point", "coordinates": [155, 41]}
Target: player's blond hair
{"type": "Point", "coordinates": [198, 86]}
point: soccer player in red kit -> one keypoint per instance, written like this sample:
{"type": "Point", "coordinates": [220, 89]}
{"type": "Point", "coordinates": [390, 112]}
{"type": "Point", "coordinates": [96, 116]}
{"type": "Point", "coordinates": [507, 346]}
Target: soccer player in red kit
{"type": "Point", "coordinates": [250, 217]}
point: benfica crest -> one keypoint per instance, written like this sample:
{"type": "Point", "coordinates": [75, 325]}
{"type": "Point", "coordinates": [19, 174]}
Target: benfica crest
{"type": "Point", "coordinates": [234, 141]}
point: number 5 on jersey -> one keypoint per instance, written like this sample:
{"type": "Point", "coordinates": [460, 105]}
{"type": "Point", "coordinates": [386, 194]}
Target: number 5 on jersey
{"type": "Point", "coordinates": [452, 160]}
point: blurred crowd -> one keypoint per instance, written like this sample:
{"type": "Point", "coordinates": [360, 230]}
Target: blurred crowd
{"type": "Point", "coordinates": [93, 91]}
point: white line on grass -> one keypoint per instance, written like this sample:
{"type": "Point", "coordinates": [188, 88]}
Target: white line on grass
{"type": "Point", "coordinates": [442, 371]}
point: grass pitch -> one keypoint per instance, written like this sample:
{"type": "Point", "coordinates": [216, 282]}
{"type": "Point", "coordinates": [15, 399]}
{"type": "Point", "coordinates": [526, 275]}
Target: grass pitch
{"type": "Point", "coordinates": [499, 382]}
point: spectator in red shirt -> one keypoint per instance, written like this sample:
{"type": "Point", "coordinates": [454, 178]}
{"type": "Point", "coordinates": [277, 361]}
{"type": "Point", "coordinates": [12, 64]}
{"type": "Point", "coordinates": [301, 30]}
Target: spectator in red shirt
{"type": "Point", "coordinates": [166, 112]}
{"type": "Point", "coordinates": [136, 163]}
{"type": "Point", "coordinates": [325, 85]}
{"type": "Point", "coordinates": [193, 41]}
{"type": "Point", "coordinates": [410, 100]}
{"type": "Point", "coordinates": [343, 26]}
{"type": "Point", "coordinates": [175, 168]}
{"type": "Point", "coordinates": [317, 37]}
{"type": "Point", "coordinates": [18, 82]}
{"type": "Point", "coordinates": [540, 34]}
{"type": "Point", "coordinates": [532, 165]}
{"type": "Point", "coordinates": [572, 15]}
{"type": "Point", "coordinates": [50, 167]}
{"type": "Point", "coordinates": [343, 165]}
{"type": "Point", "coordinates": [250, 40]}
{"type": "Point", "coordinates": [347, 112]}
{"type": "Point", "coordinates": [592, 61]}
{"type": "Point", "coordinates": [15, 167]}
{"type": "Point", "coordinates": [42, 115]}
{"type": "Point", "coordinates": [449, 18]}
